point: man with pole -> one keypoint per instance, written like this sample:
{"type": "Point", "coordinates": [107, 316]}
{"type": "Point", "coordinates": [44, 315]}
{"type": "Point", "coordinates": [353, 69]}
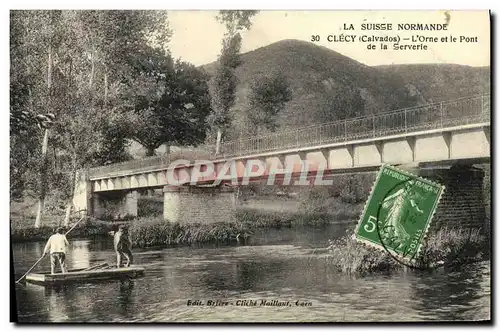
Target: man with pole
{"type": "Point", "coordinates": [66, 244]}
{"type": "Point", "coordinates": [57, 245]}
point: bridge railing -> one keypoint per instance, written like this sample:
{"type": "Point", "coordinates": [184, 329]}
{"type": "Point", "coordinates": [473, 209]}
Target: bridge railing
{"type": "Point", "coordinates": [461, 111]}
{"type": "Point", "coordinates": [432, 116]}
{"type": "Point", "coordinates": [152, 162]}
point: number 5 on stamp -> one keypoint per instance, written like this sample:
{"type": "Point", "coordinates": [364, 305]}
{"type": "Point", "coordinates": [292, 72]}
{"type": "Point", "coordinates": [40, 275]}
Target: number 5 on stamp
{"type": "Point", "coordinates": [398, 212]}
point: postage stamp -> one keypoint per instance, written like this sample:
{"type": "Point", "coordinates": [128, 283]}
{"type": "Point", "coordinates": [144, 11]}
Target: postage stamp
{"type": "Point", "coordinates": [398, 212]}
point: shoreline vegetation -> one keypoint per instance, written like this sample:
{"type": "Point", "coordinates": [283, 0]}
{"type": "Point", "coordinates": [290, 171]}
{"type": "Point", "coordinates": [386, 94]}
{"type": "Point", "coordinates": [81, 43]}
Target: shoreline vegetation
{"type": "Point", "coordinates": [154, 231]}
{"type": "Point", "coordinates": [261, 209]}
{"type": "Point", "coordinates": [447, 248]}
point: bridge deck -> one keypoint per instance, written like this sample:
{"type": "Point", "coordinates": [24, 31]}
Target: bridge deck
{"type": "Point", "coordinates": [437, 116]}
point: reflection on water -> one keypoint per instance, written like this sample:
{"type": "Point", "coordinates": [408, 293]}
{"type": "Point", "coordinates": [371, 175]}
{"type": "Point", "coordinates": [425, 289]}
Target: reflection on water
{"type": "Point", "coordinates": [462, 290]}
{"type": "Point", "coordinates": [80, 255]}
{"type": "Point", "coordinates": [277, 265]}
{"type": "Point", "coordinates": [125, 296]}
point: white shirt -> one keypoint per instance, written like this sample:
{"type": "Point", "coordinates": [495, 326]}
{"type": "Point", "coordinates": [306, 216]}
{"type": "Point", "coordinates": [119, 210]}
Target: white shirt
{"type": "Point", "coordinates": [56, 243]}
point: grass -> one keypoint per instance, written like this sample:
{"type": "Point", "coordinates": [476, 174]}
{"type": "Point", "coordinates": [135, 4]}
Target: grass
{"type": "Point", "coordinates": [147, 232]}
{"type": "Point", "coordinates": [448, 247]}
{"type": "Point", "coordinates": [157, 232]}
{"type": "Point", "coordinates": [453, 247]}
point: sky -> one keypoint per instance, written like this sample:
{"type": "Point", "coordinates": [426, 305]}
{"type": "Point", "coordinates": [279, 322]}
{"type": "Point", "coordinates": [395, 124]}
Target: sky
{"type": "Point", "coordinates": [197, 35]}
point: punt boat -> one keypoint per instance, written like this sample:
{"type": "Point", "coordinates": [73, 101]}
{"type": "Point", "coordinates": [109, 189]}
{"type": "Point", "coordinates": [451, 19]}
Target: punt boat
{"type": "Point", "coordinates": [96, 273]}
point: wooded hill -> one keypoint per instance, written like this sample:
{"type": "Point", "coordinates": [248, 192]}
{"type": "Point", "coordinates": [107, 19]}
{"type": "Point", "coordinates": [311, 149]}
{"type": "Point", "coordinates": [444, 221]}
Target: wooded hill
{"type": "Point", "coordinates": [317, 76]}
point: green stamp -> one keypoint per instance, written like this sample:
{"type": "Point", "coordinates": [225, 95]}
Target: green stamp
{"type": "Point", "coordinates": [398, 212]}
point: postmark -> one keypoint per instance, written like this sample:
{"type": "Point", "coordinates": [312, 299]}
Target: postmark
{"type": "Point", "coordinates": [398, 213]}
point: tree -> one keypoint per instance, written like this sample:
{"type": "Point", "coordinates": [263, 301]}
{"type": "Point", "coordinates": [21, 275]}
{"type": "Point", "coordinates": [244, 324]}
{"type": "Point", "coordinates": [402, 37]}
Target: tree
{"type": "Point", "coordinates": [194, 103]}
{"type": "Point", "coordinates": [24, 153]}
{"type": "Point", "coordinates": [236, 20]}
{"type": "Point", "coordinates": [222, 86]}
{"type": "Point", "coordinates": [32, 86]}
{"type": "Point", "coordinates": [170, 102]}
{"type": "Point", "coordinates": [342, 102]}
{"type": "Point", "coordinates": [110, 39]}
{"type": "Point", "coordinates": [268, 96]}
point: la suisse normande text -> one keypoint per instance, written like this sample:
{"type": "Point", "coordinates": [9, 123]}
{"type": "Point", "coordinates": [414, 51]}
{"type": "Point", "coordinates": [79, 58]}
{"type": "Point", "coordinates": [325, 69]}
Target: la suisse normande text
{"type": "Point", "coordinates": [399, 27]}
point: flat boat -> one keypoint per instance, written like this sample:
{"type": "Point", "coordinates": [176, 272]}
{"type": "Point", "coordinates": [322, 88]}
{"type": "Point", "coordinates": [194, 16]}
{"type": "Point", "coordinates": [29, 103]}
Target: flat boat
{"type": "Point", "coordinates": [85, 275]}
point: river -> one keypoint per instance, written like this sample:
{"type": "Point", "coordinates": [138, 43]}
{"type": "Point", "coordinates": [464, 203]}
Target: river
{"type": "Point", "coordinates": [274, 265]}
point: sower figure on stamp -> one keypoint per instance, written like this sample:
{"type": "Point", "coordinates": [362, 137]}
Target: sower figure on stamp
{"type": "Point", "coordinates": [122, 246]}
{"type": "Point", "coordinates": [399, 206]}
{"type": "Point", "coordinates": [57, 245]}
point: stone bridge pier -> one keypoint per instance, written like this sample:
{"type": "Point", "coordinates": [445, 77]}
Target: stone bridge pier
{"type": "Point", "coordinates": [463, 203]}
{"type": "Point", "coordinates": [190, 204]}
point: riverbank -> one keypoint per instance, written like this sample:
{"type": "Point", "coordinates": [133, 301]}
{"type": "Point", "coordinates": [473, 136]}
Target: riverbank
{"type": "Point", "coordinates": [447, 248]}
{"type": "Point", "coordinates": [147, 232]}
{"type": "Point", "coordinates": [154, 231]}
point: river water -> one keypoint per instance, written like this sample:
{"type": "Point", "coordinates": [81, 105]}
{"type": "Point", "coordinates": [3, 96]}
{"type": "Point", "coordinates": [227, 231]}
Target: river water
{"type": "Point", "coordinates": [275, 265]}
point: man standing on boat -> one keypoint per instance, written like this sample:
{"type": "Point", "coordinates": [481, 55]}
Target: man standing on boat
{"type": "Point", "coordinates": [57, 245]}
{"type": "Point", "coordinates": [122, 246]}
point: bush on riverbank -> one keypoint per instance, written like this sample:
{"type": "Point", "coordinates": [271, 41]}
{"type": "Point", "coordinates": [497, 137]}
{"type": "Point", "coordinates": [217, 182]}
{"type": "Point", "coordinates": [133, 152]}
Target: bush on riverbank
{"type": "Point", "coordinates": [448, 247]}
{"type": "Point", "coordinates": [147, 232]}
{"type": "Point", "coordinates": [157, 232]}
{"type": "Point", "coordinates": [253, 219]}
{"type": "Point", "coordinates": [453, 247]}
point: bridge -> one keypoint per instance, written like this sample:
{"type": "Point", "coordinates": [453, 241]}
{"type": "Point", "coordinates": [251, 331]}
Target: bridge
{"type": "Point", "coordinates": [440, 140]}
